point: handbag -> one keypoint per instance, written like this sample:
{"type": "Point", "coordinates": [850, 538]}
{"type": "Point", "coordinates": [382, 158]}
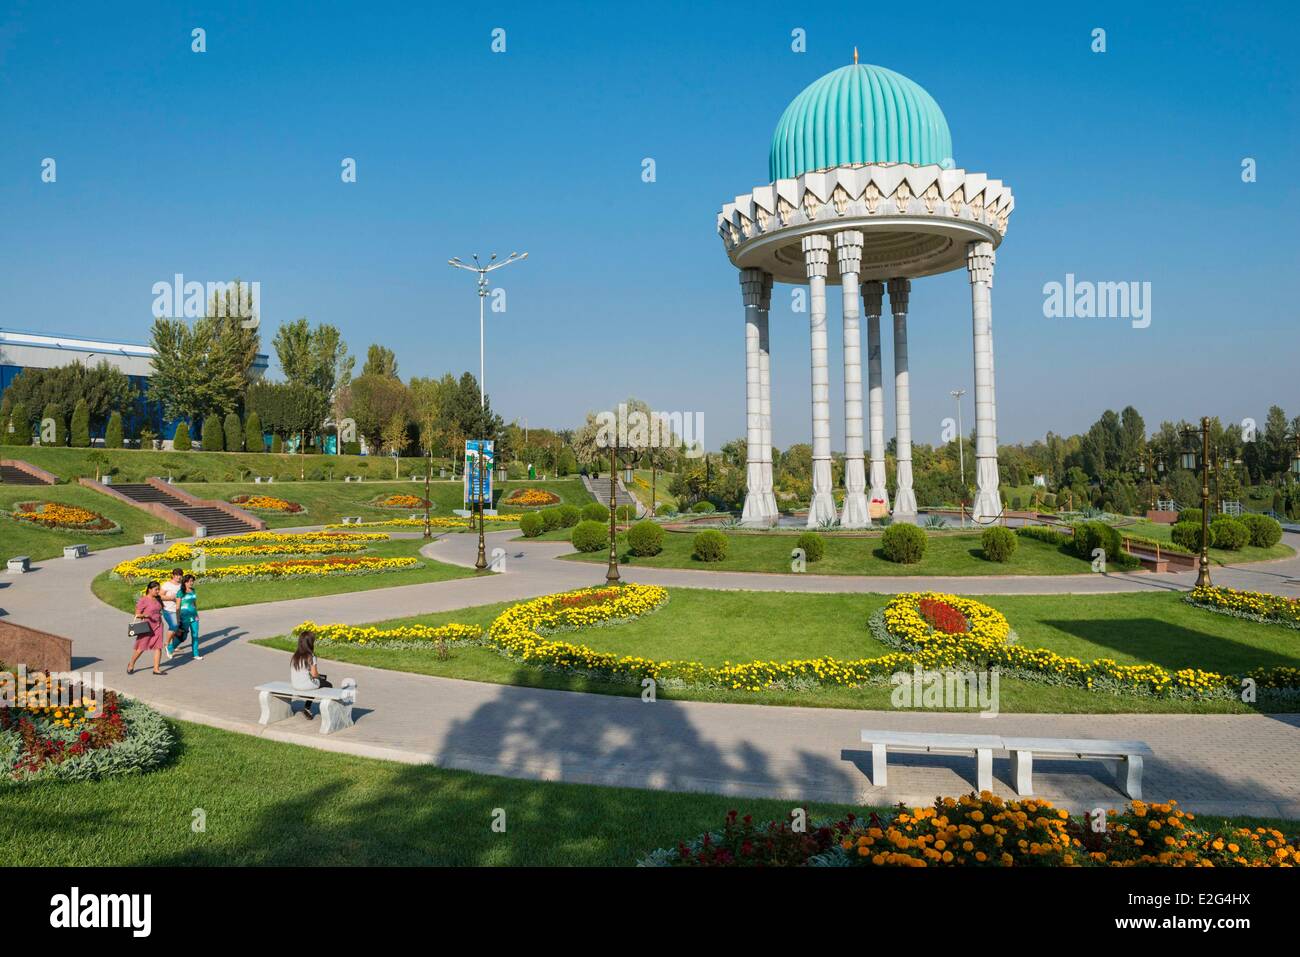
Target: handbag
{"type": "Point", "coordinates": [139, 629]}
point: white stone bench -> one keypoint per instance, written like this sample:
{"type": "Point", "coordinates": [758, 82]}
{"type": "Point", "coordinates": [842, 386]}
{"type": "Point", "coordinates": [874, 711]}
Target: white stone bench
{"type": "Point", "coordinates": [19, 564]}
{"type": "Point", "coordinates": [276, 698]}
{"type": "Point", "coordinates": [981, 746]}
{"type": "Point", "coordinates": [351, 519]}
{"type": "Point", "coordinates": [75, 551]}
{"type": "Point", "coordinates": [154, 538]}
{"type": "Point", "coordinates": [1127, 757]}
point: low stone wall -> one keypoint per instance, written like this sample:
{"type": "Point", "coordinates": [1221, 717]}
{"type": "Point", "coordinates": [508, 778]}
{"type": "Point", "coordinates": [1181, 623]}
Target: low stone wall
{"type": "Point", "coordinates": [38, 650]}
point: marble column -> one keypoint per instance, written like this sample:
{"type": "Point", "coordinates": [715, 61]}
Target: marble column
{"type": "Point", "coordinates": [816, 253]}
{"type": "Point", "coordinates": [873, 294]}
{"type": "Point", "coordinates": [988, 499]}
{"type": "Point", "coordinates": [848, 254]}
{"type": "Point", "coordinates": [751, 288]}
{"type": "Point", "coordinates": [904, 497]}
{"type": "Point", "coordinates": [765, 392]}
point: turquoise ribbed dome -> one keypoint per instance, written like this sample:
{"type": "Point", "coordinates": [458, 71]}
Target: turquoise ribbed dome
{"type": "Point", "coordinates": [859, 114]}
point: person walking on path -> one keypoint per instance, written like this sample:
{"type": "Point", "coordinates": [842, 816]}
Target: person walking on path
{"type": "Point", "coordinates": [187, 603]}
{"type": "Point", "coordinates": [302, 669]}
{"type": "Point", "coordinates": [170, 590]}
{"type": "Point", "coordinates": [149, 608]}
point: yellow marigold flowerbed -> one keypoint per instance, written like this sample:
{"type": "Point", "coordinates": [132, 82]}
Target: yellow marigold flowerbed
{"type": "Point", "coordinates": [402, 501]}
{"type": "Point", "coordinates": [367, 635]}
{"type": "Point", "coordinates": [1251, 605]}
{"type": "Point", "coordinates": [267, 503]}
{"type": "Point", "coordinates": [988, 643]}
{"type": "Point", "coordinates": [434, 522]}
{"type": "Point", "coordinates": [532, 497]}
{"type": "Point", "coordinates": [986, 831]}
{"type": "Point", "coordinates": [57, 515]}
{"type": "Point", "coordinates": [335, 549]}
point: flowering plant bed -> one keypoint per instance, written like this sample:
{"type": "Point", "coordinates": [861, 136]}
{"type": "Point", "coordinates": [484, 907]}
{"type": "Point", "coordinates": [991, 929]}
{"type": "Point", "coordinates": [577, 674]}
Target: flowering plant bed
{"type": "Point", "coordinates": [403, 637]}
{"type": "Point", "coordinates": [434, 522]}
{"type": "Point", "coordinates": [985, 831]}
{"type": "Point", "coordinates": [268, 503]}
{"type": "Point", "coordinates": [531, 498]}
{"type": "Point", "coordinates": [1250, 605]}
{"type": "Point", "coordinates": [47, 735]}
{"type": "Point", "coordinates": [332, 547]}
{"type": "Point", "coordinates": [59, 516]}
{"type": "Point", "coordinates": [402, 501]}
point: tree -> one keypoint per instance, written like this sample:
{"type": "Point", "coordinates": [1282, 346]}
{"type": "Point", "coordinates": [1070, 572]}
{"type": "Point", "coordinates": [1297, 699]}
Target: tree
{"type": "Point", "coordinates": [103, 387]}
{"type": "Point", "coordinates": [213, 439]}
{"type": "Point", "coordinates": [234, 434]}
{"type": "Point", "coordinates": [19, 431]}
{"type": "Point", "coordinates": [253, 440]}
{"type": "Point", "coordinates": [287, 408]}
{"type": "Point", "coordinates": [375, 400]}
{"type": "Point", "coordinates": [277, 444]}
{"type": "Point", "coordinates": [380, 361]}
{"type": "Point", "coordinates": [431, 401]}
{"type": "Point", "coordinates": [314, 357]}
{"type": "Point", "coordinates": [113, 431]}
{"type": "Point", "coordinates": [394, 435]}
{"type": "Point", "coordinates": [54, 430]}
{"type": "Point", "coordinates": [81, 425]}
{"type": "Point", "coordinates": [1275, 450]}
{"type": "Point", "coordinates": [203, 367]}
{"type": "Point", "coordinates": [181, 440]}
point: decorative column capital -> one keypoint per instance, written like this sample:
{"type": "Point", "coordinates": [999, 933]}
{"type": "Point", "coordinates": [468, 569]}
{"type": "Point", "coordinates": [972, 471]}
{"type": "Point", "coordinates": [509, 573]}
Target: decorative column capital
{"type": "Point", "coordinates": [816, 255]}
{"type": "Point", "coordinates": [873, 296]}
{"type": "Point", "coordinates": [979, 262]}
{"type": "Point", "coordinates": [899, 291]}
{"type": "Point", "coordinates": [751, 286]}
{"type": "Point", "coordinates": [765, 296]}
{"type": "Point", "coordinates": [848, 251]}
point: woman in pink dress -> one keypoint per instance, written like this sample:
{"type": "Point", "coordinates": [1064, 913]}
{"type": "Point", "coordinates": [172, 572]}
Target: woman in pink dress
{"type": "Point", "coordinates": [149, 608]}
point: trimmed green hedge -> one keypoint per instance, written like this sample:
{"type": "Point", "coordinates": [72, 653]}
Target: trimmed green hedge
{"type": "Point", "coordinates": [645, 538]}
{"type": "Point", "coordinates": [595, 512]}
{"type": "Point", "coordinates": [531, 524]}
{"type": "Point", "coordinates": [710, 545]}
{"type": "Point", "coordinates": [903, 543]}
{"type": "Point", "coordinates": [998, 543]}
{"type": "Point", "coordinates": [590, 536]}
{"type": "Point", "coordinates": [813, 545]}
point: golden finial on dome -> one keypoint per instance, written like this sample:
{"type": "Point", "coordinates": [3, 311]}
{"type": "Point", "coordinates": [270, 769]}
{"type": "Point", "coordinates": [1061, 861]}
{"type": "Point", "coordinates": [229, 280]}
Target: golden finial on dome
{"type": "Point", "coordinates": [855, 56]}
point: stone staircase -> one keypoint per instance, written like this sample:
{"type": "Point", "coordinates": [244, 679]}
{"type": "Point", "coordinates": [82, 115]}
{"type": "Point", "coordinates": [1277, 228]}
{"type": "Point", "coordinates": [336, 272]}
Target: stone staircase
{"type": "Point", "coordinates": [9, 475]}
{"type": "Point", "coordinates": [216, 520]}
{"type": "Point", "coordinates": [599, 490]}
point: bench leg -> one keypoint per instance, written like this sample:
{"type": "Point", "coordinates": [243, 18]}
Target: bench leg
{"type": "Point", "coordinates": [1128, 773]}
{"type": "Point", "coordinates": [1022, 772]}
{"type": "Point", "coordinates": [334, 716]}
{"type": "Point", "coordinates": [984, 769]}
{"type": "Point", "coordinates": [274, 708]}
{"type": "Point", "coordinates": [879, 775]}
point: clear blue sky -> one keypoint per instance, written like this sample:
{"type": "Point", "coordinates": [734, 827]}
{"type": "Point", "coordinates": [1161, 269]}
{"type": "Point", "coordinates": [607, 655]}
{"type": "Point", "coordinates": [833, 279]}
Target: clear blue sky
{"type": "Point", "coordinates": [1126, 166]}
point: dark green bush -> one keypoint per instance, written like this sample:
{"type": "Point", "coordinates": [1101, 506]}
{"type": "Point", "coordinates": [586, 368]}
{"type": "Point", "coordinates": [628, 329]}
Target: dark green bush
{"type": "Point", "coordinates": [234, 433]}
{"type": "Point", "coordinates": [214, 440]}
{"type": "Point", "coordinates": [1192, 515]}
{"type": "Point", "coordinates": [645, 538]}
{"type": "Point", "coordinates": [1265, 532]}
{"type": "Point", "coordinates": [277, 444]}
{"type": "Point", "coordinates": [570, 515]}
{"type": "Point", "coordinates": [903, 543]}
{"type": "Point", "coordinates": [1043, 533]}
{"type": "Point", "coordinates": [710, 545]}
{"type": "Point", "coordinates": [595, 512]}
{"type": "Point", "coordinates": [664, 508]}
{"type": "Point", "coordinates": [81, 425]}
{"type": "Point", "coordinates": [813, 545]}
{"type": "Point", "coordinates": [181, 440]}
{"type": "Point", "coordinates": [703, 507]}
{"type": "Point", "coordinates": [550, 518]}
{"type": "Point", "coordinates": [530, 523]}
{"type": "Point", "coordinates": [1229, 533]}
{"type": "Point", "coordinates": [1188, 535]}
{"type": "Point", "coordinates": [1089, 536]}
{"type": "Point", "coordinates": [113, 432]}
{"type": "Point", "coordinates": [590, 536]}
{"type": "Point", "coordinates": [253, 441]}
{"type": "Point", "coordinates": [998, 543]}
{"type": "Point", "coordinates": [625, 513]}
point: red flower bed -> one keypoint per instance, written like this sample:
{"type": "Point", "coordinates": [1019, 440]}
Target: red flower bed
{"type": "Point", "coordinates": [943, 617]}
{"type": "Point", "coordinates": [51, 734]}
{"type": "Point", "coordinates": [774, 844]}
{"type": "Point", "coordinates": [589, 598]}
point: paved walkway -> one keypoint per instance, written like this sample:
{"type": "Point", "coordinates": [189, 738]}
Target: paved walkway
{"type": "Point", "coordinates": [1240, 764]}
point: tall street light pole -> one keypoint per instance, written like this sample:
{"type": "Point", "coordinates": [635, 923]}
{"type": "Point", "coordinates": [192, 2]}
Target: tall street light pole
{"type": "Point", "coordinates": [961, 455]}
{"type": "Point", "coordinates": [482, 272]}
{"type": "Point", "coordinates": [1189, 463]}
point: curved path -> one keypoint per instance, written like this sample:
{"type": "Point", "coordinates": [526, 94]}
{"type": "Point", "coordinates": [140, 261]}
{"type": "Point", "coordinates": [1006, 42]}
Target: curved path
{"type": "Point", "coordinates": [1230, 764]}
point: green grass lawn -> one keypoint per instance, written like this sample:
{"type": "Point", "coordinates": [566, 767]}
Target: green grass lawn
{"type": "Point", "coordinates": [720, 626]}
{"type": "Point", "coordinates": [23, 538]}
{"type": "Point", "coordinates": [1219, 556]}
{"type": "Point", "coordinates": [327, 502]}
{"type": "Point", "coordinates": [947, 553]}
{"type": "Point", "coordinates": [218, 594]}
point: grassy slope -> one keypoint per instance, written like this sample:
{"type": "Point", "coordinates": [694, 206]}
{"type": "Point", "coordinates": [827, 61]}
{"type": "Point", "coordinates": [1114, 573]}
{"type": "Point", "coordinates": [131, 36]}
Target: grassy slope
{"type": "Point", "coordinates": [716, 626]}
{"type": "Point", "coordinates": [21, 538]}
{"type": "Point", "coordinates": [218, 594]}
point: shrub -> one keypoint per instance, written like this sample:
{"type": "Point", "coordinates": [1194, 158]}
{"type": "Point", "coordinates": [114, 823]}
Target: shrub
{"type": "Point", "coordinates": [570, 515]}
{"type": "Point", "coordinates": [349, 448]}
{"type": "Point", "coordinates": [234, 433]}
{"type": "Point", "coordinates": [903, 543]}
{"type": "Point", "coordinates": [645, 538]}
{"type": "Point", "coordinates": [664, 508]}
{"type": "Point", "coordinates": [625, 513]}
{"type": "Point", "coordinates": [595, 512]}
{"type": "Point", "coordinates": [998, 543]}
{"type": "Point", "coordinates": [253, 441]}
{"type": "Point", "coordinates": [531, 524]}
{"type": "Point", "coordinates": [181, 440]}
{"type": "Point", "coordinates": [813, 545]}
{"type": "Point", "coordinates": [1192, 515]}
{"type": "Point", "coordinates": [550, 518]}
{"type": "Point", "coordinates": [277, 444]}
{"type": "Point", "coordinates": [81, 425]}
{"type": "Point", "coordinates": [1188, 535]}
{"type": "Point", "coordinates": [1044, 534]}
{"type": "Point", "coordinates": [54, 413]}
{"type": "Point", "coordinates": [704, 506]}
{"type": "Point", "coordinates": [1265, 532]}
{"type": "Point", "coordinates": [113, 432]}
{"type": "Point", "coordinates": [1089, 536]}
{"type": "Point", "coordinates": [21, 425]}
{"type": "Point", "coordinates": [590, 536]}
{"type": "Point", "coordinates": [1229, 533]}
{"type": "Point", "coordinates": [710, 545]}
{"type": "Point", "coordinates": [214, 440]}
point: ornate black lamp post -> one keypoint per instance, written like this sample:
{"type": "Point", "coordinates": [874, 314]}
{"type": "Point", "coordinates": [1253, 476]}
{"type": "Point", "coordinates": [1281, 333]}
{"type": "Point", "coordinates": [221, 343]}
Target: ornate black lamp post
{"type": "Point", "coordinates": [481, 563]}
{"type": "Point", "coordinates": [612, 576]}
{"type": "Point", "coordinates": [428, 531]}
{"type": "Point", "coordinates": [1189, 462]}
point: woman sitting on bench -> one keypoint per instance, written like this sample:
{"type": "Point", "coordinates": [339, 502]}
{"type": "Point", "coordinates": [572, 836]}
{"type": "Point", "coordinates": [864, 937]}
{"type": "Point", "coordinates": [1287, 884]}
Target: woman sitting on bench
{"type": "Point", "coordinates": [302, 669]}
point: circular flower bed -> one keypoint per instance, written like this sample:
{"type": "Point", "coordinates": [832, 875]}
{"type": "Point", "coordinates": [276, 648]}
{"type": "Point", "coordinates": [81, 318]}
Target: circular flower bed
{"type": "Point", "coordinates": [531, 498]}
{"type": "Point", "coordinates": [401, 501]}
{"type": "Point", "coordinates": [267, 503]}
{"type": "Point", "coordinates": [59, 516]}
{"type": "Point", "coordinates": [330, 545]}
{"type": "Point", "coordinates": [985, 831]}
{"type": "Point", "coordinates": [45, 734]}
